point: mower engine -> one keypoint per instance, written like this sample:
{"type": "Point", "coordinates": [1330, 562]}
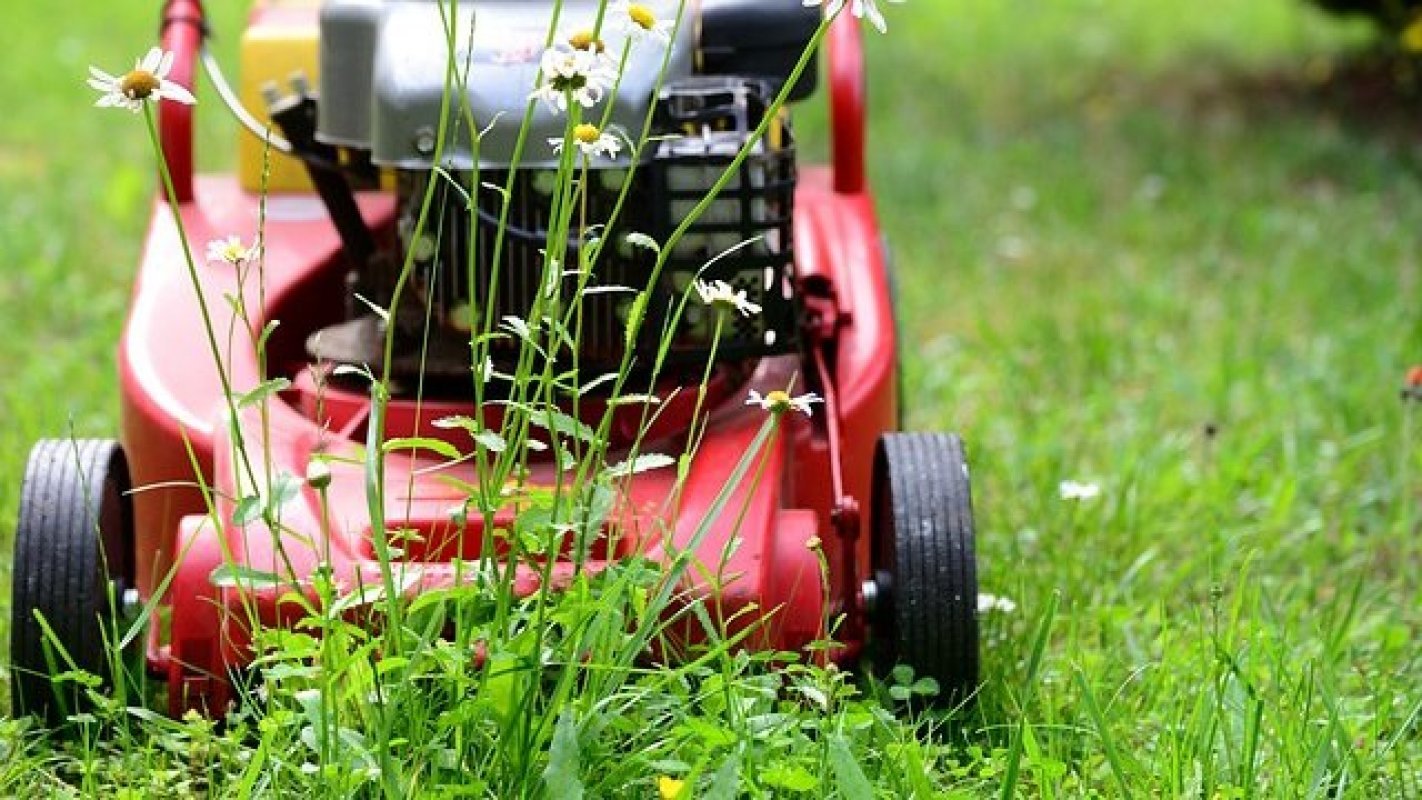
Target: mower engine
{"type": "Point", "coordinates": [477, 248]}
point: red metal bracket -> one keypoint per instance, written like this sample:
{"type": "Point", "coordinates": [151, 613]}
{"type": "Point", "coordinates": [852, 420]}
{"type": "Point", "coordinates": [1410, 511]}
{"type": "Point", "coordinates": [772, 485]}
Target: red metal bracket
{"type": "Point", "coordinates": [824, 322]}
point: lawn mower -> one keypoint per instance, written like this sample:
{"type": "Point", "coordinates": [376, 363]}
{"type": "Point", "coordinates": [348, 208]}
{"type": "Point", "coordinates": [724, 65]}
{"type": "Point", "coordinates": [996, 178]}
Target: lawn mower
{"type": "Point", "coordinates": [118, 530]}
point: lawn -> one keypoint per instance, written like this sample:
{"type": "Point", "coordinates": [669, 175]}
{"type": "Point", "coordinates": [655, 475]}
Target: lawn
{"type": "Point", "coordinates": [1170, 249]}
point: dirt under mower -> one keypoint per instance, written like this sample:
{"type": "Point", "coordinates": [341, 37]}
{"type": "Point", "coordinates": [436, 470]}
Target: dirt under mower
{"type": "Point", "coordinates": [342, 212]}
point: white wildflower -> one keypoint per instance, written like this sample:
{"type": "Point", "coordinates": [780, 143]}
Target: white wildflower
{"type": "Point", "coordinates": [1076, 490]}
{"type": "Point", "coordinates": [231, 251]}
{"type": "Point", "coordinates": [778, 402]}
{"type": "Point", "coordinates": [725, 297]}
{"type": "Point", "coordinates": [318, 474]}
{"type": "Point", "coordinates": [863, 9]}
{"type": "Point", "coordinates": [148, 79]}
{"type": "Point", "coordinates": [591, 141]}
{"type": "Point", "coordinates": [640, 22]}
{"type": "Point", "coordinates": [988, 603]}
{"type": "Point", "coordinates": [569, 73]}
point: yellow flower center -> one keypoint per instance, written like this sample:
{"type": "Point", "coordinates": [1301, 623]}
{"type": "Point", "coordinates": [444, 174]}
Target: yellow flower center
{"type": "Point", "coordinates": [584, 40]}
{"type": "Point", "coordinates": [777, 400]}
{"type": "Point", "coordinates": [139, 84]}
{"type": "Point", "coordinates": [642, 15]}
{"type": "Point", "coordinates": [586, 133]}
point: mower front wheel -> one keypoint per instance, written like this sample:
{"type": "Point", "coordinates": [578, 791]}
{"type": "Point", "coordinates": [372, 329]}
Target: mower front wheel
{"type": "Point", "coordinates": [73, 574]}
{"type": "Point", "coordinates": [925, 570]}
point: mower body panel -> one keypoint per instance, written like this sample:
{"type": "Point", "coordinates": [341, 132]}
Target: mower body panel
{"type": "Point", "coordinates": [175, 417]}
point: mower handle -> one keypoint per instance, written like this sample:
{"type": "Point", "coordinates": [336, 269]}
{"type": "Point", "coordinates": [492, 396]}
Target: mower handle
{"type": "Point", "coordinates": [183, 28]}
{"type": "Point", "coordinates": [847, 91]}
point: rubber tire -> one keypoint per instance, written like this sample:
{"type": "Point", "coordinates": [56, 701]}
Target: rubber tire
{"type": "Point", "coordinates": [73, 547]}
{"type": "Point", "coordinates": [925, 564]}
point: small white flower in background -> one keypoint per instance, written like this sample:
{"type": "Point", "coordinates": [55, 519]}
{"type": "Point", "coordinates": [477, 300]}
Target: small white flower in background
{"type": "Point", "coordinates": [1075, 490]}
{"type": "Point", "coordinates": [148, 79]}
{"type": "Point", "coordinates": [778, 402]}
{"type": "Point", "coordinates": [640, 22]}
{"type": "Point", "coordinates": [988, 603]}
{"type": "Point", "coordinates": [864, 9]}
{"type": "Point", "coordinates": [231, 251]}
{"type": "Point", "coordinates": [569, 72]}
{"type": "Point", "coordinates": [591, 141]}
{"type": "Point", "coordinates": [318, 474]}
{"type": "Point", "coordinates": [725, 297]}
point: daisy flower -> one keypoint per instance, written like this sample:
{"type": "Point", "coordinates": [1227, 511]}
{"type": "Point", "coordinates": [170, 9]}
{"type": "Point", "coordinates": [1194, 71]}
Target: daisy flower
{"type": "Point", "coordinates": [640, 22]}
{"type": "Point", "coordinates": [669, 788]}
{"type": "Point", "coordinates": [988, 603]}
{"type": "Point", "coordinates": [1075, 490]}
{"type": "Point", "coordinates": [231, 251]}
{"type": "Point", "coordinates": [778, 402]}
{"type": "Point", "coordinates": [569, 73]}
{"type": "Point", "coordinates": [591, 141]}
{"type": "Point", "coordinates": [863, 9]}
{"type": "Point", "coordinates": [148, 79]}
{"type": "Point", "coordinates": [724, 297]}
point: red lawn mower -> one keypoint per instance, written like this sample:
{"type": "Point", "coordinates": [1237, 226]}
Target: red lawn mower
{"type": "Point", "coordinates": [339, 216]}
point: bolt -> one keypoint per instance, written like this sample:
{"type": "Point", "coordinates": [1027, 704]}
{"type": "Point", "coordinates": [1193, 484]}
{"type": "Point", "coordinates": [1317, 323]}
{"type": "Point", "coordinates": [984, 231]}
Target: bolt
{"type": "Point", "coordinates": [130, 603]}
{"type": "Point", "coordinates": [425, 141]}
{"type": "Point", "coordinates": [869, 591]}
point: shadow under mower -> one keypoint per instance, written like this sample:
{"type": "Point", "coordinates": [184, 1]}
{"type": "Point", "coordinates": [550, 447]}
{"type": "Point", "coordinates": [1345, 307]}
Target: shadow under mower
{"type": "Point", "coordinates": [891, 509]}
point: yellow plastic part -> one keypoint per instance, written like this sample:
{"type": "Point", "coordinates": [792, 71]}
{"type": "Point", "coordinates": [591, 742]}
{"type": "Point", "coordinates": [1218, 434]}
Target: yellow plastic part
{"type": "Point", "coordinates": [281, 39]}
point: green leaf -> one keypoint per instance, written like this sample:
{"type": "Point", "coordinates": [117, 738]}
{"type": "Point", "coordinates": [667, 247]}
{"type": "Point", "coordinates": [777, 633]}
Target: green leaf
{"type": "Point", "coordinates": [421, 443]}
{"type": "Point", "coordinates": [227, 576]}
{"type": "Point", "coordinates": [642, 463]}
{"type": "Point", "coordinates": [263, 391]}
{"type": "Point", "coordinates": [852, 782]}
{"type": "Point", "coordinates": [634, 317]}
{"type": "Point", "coordinates": [635, 400]}
{"type": "Point", "coordinates": [793, 777]}
{"type": "Point", "coordinates": [561, 776]}
{"type": "Point", "coordinates": [379, 312]}
{"type": "Point", "coordinates": [491, 441]}
{"type": "Point", "coordinates": [928, 687]}
{"type": "Point", "coordinates": [248, 510]}
{"type": "Point", "coordinates": [267, 331]}
{"type": "Point", "coordinates": [644, 241]}
{"type": "Point", "coordinates": [458, 421]}
{"type": "Point", "coordinates": [726, 781]}
{"type": "Point", "coordinates": [285, 488]}
{"type": "Point", "coordinates": [557, 422]}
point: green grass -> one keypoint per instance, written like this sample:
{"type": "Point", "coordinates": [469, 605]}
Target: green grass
{"type": "Point", "coordinates": [1158, 246]}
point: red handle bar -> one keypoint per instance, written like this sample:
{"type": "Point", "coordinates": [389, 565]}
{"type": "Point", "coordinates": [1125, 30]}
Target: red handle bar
{"type": "Point", "coordinates": [182, 34]}
{"type": "Point", "coordinates": [847, 90]}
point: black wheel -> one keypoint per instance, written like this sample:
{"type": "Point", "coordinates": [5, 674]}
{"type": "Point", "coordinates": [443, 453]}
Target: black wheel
{"type": "Point", "coordinates": [73, 567]}
{"type": "Point", "coordinates": [925, 572]}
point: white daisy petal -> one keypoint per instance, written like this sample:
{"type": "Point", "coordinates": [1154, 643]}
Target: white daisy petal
{"type": "Point", "coordinates": [150, 62]}
{"type": "Point", "coordinates": [165, 65]}
{"type": "Point", "coordinates": [176, 92]}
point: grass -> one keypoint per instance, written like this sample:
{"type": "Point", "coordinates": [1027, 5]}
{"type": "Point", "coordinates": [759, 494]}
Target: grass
{"type": "Point", "coordinates": [1167, 248]}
